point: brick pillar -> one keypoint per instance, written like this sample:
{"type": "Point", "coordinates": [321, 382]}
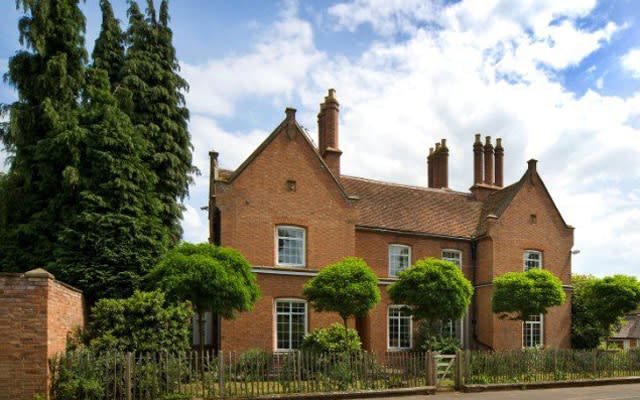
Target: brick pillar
{"type": "Point", "coordinates": [444, 164]}
{"type": "Point", "coordinates": [477, 160]}
{"type": "Point", "coordinates": [488, 161]}
{"type": "Point", "coordinates": [499, 154]}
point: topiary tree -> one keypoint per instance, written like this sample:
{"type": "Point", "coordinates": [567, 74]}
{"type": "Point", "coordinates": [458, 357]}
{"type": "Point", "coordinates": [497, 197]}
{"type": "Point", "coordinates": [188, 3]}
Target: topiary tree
{"type": "Point", "coordinates": [434, 290]}
{"type": "Point", "coordinates": [210, 277]}
{"type": "Point", "coordinates": [518, 295]}
{"type": "Point", "coordinates": [348, 287]}
{"type": "Point", "coordinates": [331, 340]}
{"type": "Point", "coordinates": [143, 322]}
{"type": "Point", "coordinates": [586, 333]}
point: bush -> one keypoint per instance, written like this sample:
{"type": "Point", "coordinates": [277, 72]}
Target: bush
{"type": "Point", "coordinates": [331, 340]}
{"type": "Point", "coordinates": [76, 377]}
{"type": "Point", "coordinates": [441, 344]}
{"type": "Point", "coordinates": [253, 361]}
{"type": "Point", "coordinates": [143, 322]}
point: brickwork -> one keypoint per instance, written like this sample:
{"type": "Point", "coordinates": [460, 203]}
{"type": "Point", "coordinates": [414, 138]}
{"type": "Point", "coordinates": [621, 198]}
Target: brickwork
{"type": "Point", "coordinates": [37, 313]}
{"type": "Point", "coordinates": [286, 182]}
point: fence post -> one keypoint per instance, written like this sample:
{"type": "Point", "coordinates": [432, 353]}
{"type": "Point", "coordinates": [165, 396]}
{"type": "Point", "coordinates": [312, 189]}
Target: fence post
{"type": "Point", "coordinates": [467, 367]}
{"type": "Point", "coordinates": [459, 370]}
{"type": "Point", "coordinates": [595, 370]}
{"type": "Point", "coordinates": [427, 368]}
{"type": "Point", "coordinates": [221, 373]}
{"type": "Point", "coordinates": [128, 366]}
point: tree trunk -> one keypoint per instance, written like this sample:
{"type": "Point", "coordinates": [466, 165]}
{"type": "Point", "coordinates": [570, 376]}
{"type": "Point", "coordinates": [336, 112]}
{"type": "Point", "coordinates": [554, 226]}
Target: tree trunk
{"type": "Point", "coordinates": [346, 335]}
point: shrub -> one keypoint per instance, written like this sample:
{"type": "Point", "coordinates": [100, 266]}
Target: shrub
{"type": "Point", "coordinates": [143, 322]}
{"type": "Point", "coordinates": [253, 361]}
{"type": "Point", "coordinates": [331, 340]}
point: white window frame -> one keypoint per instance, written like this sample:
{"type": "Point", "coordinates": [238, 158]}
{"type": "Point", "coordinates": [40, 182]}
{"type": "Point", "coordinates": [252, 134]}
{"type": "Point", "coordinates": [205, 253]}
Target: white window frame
{"type": "Point", "coordinates": [397, 246]}
{"type": "Point", "coordinates": [525, 258]}
{"type": "Point", "coordinates": [459, 252]}
{"type": "Point", "coordinates": [458, 262]}
{"type": "Point", "coordinates": [539, 323]}
{"type": "Point", "coordinates": [275, 322]}
{"type": "Point", "coordinates": [399, 318]}
{"type": "Point", "coordinates": [304, 245]}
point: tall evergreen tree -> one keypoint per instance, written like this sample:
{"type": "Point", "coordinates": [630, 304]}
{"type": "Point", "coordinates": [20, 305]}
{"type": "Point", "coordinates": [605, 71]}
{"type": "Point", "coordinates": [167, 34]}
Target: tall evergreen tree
{"type": "Point", "coordinates": [43, 132]}
{"type": "Point", "coordinates": [108, 52]}
{"type": "Point", "coordinates": [113, 236]}
{"type": "Point", "coordinates": [158, 108]}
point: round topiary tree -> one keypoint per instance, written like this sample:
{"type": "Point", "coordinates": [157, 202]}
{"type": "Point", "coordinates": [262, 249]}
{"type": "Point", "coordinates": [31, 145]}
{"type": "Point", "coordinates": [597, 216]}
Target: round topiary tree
{"type": "Point", "coordinates": [210, 277]}
{"type": "Point", "coordinates": [348, 287]}
{"type": "Point", "coordinates": [519, 295]}
{"type": "Point", "coordinates": [433, 290]}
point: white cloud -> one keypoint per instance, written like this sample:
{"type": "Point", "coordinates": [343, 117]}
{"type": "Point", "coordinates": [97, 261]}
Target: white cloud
{"type": "Point", "coordinates": [194, 225]}
{"type": "Point", "coordinates": [631, 62]}
{"type": "Point", "coordinates": [485, 70]}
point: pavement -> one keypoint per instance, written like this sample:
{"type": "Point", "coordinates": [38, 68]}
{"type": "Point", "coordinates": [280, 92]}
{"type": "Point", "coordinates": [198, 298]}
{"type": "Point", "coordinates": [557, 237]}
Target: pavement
{"type": "Point", "coordinates": [608, 392]}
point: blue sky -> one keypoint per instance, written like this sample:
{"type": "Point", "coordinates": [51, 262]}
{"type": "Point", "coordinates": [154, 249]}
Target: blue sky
{"type": "Point", "coordinates": [559, 81]}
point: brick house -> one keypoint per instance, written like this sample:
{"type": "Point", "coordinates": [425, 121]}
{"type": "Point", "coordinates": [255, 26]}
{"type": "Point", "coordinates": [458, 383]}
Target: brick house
{"type": "Point", "coordinates": [290, 211]}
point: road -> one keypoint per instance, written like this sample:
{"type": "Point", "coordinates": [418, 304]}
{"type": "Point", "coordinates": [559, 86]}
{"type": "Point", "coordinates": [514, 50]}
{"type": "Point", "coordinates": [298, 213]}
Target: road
{"type": "Point", "coordinates": [609, 392]}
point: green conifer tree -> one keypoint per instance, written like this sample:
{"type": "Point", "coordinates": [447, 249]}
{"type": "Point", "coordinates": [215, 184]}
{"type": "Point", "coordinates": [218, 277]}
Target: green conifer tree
{"type": "Point", "coordinates": [43, 132]}
{"type": "Point", "coordinates": [158, 109]}
{"type": "Point", "coordinates": [114, 235]}
{"type": "Point", "coordinates": [108, 52]}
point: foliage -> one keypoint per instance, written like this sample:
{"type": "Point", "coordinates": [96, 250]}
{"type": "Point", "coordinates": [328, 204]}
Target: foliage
{"type": "Point", "coordinates": [108, 51]}
{"type": "Point", "coordinates": [599, 305]}
{"type": "Point", "coordinates": [78, 378]}
{"type": "Point", "coordinates": [110, 237]}
{"type": "Point", "coordinates": [331, 340]}
{"type": "Point", "coordinates": [43, 131]}
{"type": "Point", "coordinates": [586, 333]}
{"type": "Point", "coordinates": [433, 289]}
{"type": "Point", "coordinates": [519, 295]}
{"type": "Point", "coordinates": [432, 339]}
{"type": "Point", "coordinates": [150, 74]}
{"type": "Point", "coordinates": [253, 361]}
{"type": "Point", "coordinates": [144, 322]}
{"type": "Point", "coordinates": [212, 278]}
{"type": "Point", "coordinates": [348, 287]}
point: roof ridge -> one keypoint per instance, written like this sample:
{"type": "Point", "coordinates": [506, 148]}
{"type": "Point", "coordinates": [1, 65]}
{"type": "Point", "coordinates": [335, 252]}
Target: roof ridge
{"type": "Point", "coordinates": [402, 185]}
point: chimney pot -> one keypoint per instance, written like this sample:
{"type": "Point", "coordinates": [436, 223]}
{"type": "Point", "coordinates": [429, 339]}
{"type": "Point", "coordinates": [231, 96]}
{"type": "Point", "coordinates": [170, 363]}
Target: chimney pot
{"type": "Point", "coordinates": [444, 164]}
{"type": "Point", "coordinates": [532, 165]}
{"type": "Point", "coordinates": [488, 161]}
{"type": "Point", "coordinates": [499, 163]}
{"type": "Point", "coordinates": [291, 113]}
{"type": "Point", "coordinates": [478, 158]}
{"type": "Point", "coordinates": [328, 132]}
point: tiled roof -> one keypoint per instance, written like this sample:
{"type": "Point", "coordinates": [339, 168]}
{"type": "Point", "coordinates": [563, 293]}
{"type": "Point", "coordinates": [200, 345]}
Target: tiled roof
{"type": "Point", "coordinates": [414, 209]}
{"type": "Point", "coordinates": [496, 203]}
{"type": "Point", "coordinates": [631, 329]}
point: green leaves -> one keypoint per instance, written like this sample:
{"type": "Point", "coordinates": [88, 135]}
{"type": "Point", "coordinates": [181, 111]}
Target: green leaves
{"type": "Point", "coordinates": [598, 304]}
{"type": "Point", "coordinates": [519, 295]}
{"type": "Point", "coordinates": [433, 289]}
{"type": "Point", "coordinates": [212, 278]}
{"type": "Point", "coordinates": [144, 322]}
{"type": "Point", "coordinates": [348, 287]}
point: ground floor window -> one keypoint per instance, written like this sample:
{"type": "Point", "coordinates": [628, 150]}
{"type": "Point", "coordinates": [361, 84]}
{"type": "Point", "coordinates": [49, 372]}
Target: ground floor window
{"type": "Point", "coordinates": [291, 323]}
{"type": "Point", "coordinates": [532, 331]}
{"type": "Point", "coordinates": [400, 328]}
{"type": "Point", "coordinates": [452, 328]}
{"type": "Point", "coordinates": [208, 329]}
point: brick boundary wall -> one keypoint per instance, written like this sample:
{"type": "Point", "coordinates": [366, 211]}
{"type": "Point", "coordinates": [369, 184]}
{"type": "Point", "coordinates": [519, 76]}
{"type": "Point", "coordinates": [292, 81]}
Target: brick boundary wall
{"type": "Point", "coordinates": [36, 315]}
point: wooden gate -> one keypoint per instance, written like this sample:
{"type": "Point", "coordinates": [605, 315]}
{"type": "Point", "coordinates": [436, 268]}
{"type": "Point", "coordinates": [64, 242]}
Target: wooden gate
{"type": "Point", "coordinates": [445, 369]}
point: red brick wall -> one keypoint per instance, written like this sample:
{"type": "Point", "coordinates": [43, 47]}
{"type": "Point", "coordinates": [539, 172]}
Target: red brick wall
{"type": "Point", "coordinates": [514, 233]}
{"type": "Point", "coordinates": [37, 313]}
{"type": "Point", "coordinates": [257, 328]}
{"type": "Point", "coordinates": [260, 199]}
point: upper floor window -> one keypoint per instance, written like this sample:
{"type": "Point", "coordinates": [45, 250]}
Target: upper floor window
{"type": "Point", "coordinates": [291, 323]}
{"type": "Point", "coordinates": [290, 246]}
{"type": "Point", "coordinates": [532, 259]}
{"type": "Point", "coordinates": [399, 258]}
{"type": "Point", "coordinates": [454, 256]}
{"type": "Point", "coordinates": [532, 331]}
{"type": "Point", "coordinates": [400, 328]}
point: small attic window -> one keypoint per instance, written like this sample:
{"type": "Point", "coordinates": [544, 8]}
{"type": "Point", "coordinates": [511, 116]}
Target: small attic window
{"type": "Point", "coordinates": [291, 185]}
{"type": "Point", "coordinates": [533, 219]}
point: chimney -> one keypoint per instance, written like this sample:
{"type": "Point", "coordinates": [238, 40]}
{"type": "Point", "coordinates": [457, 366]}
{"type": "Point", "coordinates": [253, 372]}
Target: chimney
{"type": "Point", "coordinates": [211, 206]}
{"type": "Point", "coordinates": [488, 161]}
{"type": "Point", "coordinates": [444, 164]}
{"type": "Point", "coordinates": [328, 124]}
{"type": "Point", "coordinates": [477, 160]}
{"type": "Point", "coordinates": [435, 161]}
{"type": "Point", "coordinates": [430, 168]}
{"type": "Point", "coordinates": [499, 154]}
